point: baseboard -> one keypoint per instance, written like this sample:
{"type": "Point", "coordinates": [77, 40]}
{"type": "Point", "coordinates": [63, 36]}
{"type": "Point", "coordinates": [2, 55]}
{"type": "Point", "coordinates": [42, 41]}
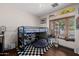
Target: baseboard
{"type": "Point", "coordinates": [9, 49]}
{"type": "Point", "coordinates": [66, 47]}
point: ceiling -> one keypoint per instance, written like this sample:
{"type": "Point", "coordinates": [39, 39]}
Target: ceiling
{"type": "Point", "coordinates": [38, 9]}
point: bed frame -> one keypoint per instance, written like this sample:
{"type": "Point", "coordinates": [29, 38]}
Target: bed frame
{"type": "Point", "coordinates": [28, 34]}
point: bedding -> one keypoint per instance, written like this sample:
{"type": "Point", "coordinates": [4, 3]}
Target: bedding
{"type": "Point", "coordinates": [40, 43]}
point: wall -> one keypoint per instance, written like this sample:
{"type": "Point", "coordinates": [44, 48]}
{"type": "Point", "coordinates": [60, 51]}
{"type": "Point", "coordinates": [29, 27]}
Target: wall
{"type": "Point", "coordinates": [11, 17]}
{"type": "Point", "coordinates": [73, 45]}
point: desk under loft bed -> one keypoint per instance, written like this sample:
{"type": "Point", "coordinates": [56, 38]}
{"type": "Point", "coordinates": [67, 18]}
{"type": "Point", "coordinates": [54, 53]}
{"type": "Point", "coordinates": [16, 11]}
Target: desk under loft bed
{"type": "Point", "coordinates": [32, 40]}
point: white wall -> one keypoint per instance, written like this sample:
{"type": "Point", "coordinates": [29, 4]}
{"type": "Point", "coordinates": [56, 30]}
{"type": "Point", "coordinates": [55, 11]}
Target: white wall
{"type": "Point", "coordinates": [76, 49]}
{"type": "Point", "coordinates": [11, 17]}
{"type": "Point", "coordinates": [73, 45]}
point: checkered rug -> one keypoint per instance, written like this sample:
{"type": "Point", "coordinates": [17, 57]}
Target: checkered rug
{"type": "Point", "coordinates": [30, 50]}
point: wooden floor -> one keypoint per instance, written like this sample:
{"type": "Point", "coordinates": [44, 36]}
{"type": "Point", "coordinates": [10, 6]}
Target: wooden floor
{"type": "Point", "coordinates": [61, 51]}
{"type": "Point", "coordinates": [12, 52]}
{"type": "Point", "coordinates": [51, 52]}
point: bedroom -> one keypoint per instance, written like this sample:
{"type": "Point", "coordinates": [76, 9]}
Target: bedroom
{"type": "Point", "coordinates": [46, 26]}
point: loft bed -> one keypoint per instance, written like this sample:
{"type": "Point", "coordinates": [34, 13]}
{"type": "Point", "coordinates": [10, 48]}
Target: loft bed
{"type": "Point", "coordinates": [37, 36]}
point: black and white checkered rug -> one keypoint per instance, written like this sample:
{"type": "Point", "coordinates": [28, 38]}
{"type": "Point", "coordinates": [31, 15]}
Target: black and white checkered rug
{"type": "Point", "coordinates": [30, 50]}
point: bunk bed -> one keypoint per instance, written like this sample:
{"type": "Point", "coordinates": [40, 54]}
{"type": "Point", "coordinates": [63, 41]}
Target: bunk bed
{"type": "Point", "coordinates": [32, 40]}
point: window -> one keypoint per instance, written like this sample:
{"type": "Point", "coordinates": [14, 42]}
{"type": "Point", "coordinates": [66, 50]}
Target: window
{"type": "Point", "coordinates": [64, 28]}
{"type": "Point", "coordinates": [61, 28]}
{"type": "Point", "coordinates": [71, 31]}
